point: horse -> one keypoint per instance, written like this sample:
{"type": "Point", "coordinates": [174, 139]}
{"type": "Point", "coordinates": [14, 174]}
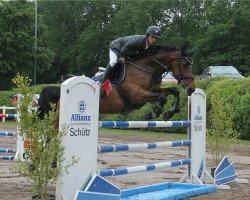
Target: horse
{"type": "Point", "coordinates": [50, 94]}
{"type": "Point", "coordinates": [142, 83]}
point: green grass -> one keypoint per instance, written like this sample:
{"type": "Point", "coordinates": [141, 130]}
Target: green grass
{"type": "Point", "coordinates": [8, 123]}
{"type": "Point", "coordinates": [170, 136]}
{"type": "Point", "coordinates": [243, 142]}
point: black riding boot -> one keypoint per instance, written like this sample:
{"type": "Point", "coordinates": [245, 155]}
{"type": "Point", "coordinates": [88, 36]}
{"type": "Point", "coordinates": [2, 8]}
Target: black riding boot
{"type": "Point", "coordinates": [105, 76]}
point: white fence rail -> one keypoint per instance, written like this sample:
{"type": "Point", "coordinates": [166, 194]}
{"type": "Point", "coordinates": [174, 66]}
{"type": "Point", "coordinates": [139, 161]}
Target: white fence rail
{"type": "Point", "coordinates": [4, 108]}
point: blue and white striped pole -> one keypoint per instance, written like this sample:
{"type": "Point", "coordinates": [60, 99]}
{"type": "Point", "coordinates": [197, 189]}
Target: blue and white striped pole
{"type": "Point", "coordinates": [142, 146]}
{"type": "Point", "coordinates": [10, 116]}
{"type": "Point", "coordinates": [5, 150]}
{"type": "Point", "coordinates": [142, 168]}
{"type": "Point", "coordinates": [143, 124]}
{"type": "Point", "coordinates": [7, 157]}
{"type": "Point", "coordinates": [7, 133]}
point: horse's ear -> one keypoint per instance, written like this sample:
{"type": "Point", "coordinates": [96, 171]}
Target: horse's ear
{"type": "Point", "coordinates": [183, 54]}
{"type": "Point", "coordinates": [69, 76]}
{"type": "Point", "coordinates": [188, 54]}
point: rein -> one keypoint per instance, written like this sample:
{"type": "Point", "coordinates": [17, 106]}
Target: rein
{"type": "Point", "coordinates": [145, 70]}
{"type": "Point", "coordinates": [165, 67]}
{"type": "Point", "coordinates": [139, 67]}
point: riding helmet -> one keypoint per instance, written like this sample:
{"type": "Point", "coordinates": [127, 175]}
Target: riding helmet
{"type": "Point", "coordinates": [154, 31]}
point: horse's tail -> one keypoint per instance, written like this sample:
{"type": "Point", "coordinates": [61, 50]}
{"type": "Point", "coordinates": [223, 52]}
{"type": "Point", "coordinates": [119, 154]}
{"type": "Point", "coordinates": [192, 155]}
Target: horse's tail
{"type": "Point", "coordinates": [50, 94]}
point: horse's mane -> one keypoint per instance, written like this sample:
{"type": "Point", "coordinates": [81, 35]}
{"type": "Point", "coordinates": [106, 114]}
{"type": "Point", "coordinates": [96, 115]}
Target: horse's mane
{"type": "Point", "coordinates": [171, 48]}
{"type": "Point", "coordinates": [166, 48]}
{"type": "Point", "coordinates": [156, 49]}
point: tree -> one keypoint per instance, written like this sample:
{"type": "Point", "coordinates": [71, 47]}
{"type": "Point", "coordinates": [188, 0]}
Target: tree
{"type": "Point", "coordinates": [215, 29]}
{"type": "Point", "coordinates": [65, 21]}
{"type": "Point", "coordinates": [225, 40]}
{"type": "Point", "coordinates": [183, 24]}
{"type": "Point", "coordinates": [17, 41]}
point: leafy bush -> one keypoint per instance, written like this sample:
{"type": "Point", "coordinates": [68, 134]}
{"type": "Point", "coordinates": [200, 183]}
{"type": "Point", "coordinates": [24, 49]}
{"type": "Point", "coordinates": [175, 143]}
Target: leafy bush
{"type": "Point", "coordinates": [234, 92]}
{"type": "Point", "coordinates": [221, 134]}
{"type": "Point", "coordinates": [44, 150]}
{"type": "Point", "coordinates": [241, 119]}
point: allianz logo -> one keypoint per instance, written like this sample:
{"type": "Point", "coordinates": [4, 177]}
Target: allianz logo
{"type": "Point", "coordinates": [79, 117]}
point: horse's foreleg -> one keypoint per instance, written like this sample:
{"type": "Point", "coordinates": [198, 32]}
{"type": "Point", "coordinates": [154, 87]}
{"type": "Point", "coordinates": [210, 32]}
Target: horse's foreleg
{"type": "Point", "coordinates": [147, 96]}
{"type": "Point", "coordinates": [157, 109]}
{"type": "Point", "coordinates": [176, 105]}
{"type": "Point", "coordinates": [161, 97]}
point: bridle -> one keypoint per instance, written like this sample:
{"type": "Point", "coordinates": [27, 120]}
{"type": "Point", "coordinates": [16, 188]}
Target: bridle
{"type": "Point", "coordinates": [179, 78]}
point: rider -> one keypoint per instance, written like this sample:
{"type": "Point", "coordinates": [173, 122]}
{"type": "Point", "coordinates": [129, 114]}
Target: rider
{"type": "Point", "coordinates": [130, 46]}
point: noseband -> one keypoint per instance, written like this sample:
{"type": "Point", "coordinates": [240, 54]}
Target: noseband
{"type": "Point", "coordinates": [181, 76]}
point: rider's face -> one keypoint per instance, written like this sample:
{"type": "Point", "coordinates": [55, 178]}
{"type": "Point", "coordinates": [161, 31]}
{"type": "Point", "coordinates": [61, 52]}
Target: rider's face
{"type": "Point", "coordinates": [152, 39]}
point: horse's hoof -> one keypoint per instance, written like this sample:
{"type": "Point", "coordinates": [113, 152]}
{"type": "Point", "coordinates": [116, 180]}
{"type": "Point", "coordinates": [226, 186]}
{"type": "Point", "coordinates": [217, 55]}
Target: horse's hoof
{"type": "Point", "coordinates": [166, 116]}
{"type": "Point", "coordinates": [147, 117]}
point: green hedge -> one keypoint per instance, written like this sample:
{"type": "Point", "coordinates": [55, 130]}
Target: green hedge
{"type": "Point", "coordinates": [6, 96]}
{"type": "Point", "coordinates": [236, 93]}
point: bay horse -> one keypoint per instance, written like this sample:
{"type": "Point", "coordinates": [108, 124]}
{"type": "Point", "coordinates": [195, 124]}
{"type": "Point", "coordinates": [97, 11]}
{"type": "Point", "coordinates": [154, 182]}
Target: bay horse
{"type": "Point", "coordinates": [141, 84]}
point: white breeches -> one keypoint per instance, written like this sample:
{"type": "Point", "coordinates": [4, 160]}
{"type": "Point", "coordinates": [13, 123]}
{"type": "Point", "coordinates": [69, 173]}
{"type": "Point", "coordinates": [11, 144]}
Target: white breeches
{"type": "Point", "coordinates": [112, 58]}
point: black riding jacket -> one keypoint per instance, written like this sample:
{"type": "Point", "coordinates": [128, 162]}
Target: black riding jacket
{"type": "Point", "coordinates": [129, 45]}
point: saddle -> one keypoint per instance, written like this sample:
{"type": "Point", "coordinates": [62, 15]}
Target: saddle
{"type": "Point", "coordinates": [117, 76]}
{"type": "Point", "coordinates": [116, 79]}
